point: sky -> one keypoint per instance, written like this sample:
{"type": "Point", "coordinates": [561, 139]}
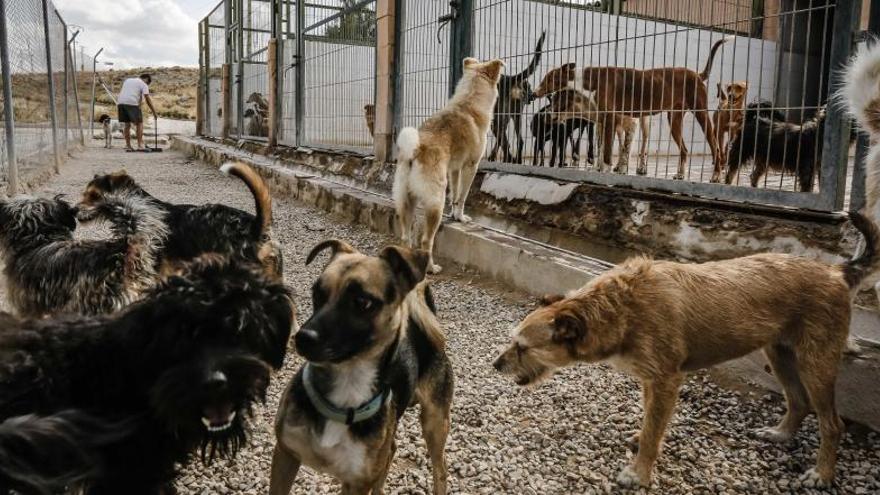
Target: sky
{"type": "Point", "coordinates": [138, 33]}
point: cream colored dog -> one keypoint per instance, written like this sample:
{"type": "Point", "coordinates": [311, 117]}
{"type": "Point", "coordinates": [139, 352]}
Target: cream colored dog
{"type": "Point", "coordinates": [446, 149]}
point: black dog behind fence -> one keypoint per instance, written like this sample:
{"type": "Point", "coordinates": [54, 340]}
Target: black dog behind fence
{"type": "Point", "coordinates": [665, 86]}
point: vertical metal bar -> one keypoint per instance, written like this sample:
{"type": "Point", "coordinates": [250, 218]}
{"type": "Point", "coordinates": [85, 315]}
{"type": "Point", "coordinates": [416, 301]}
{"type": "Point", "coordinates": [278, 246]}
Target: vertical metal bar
{"type": "Point", "coordinates": [276, 71]}
{"type": "Point", "coordinates": [239, 83]}
{"type": "Point", "coordinates": [200, 86]}
{"type": "Point", "coordinates": [837, 123]}
{"type": "Point", "coordinates": [66, 87]}
{"type": "Point", "coordinates": [8, 113]}
{"type": "Point", "coordinates": [461, 39]}
{"type": "Point", "coordinates": [94, 88]}
{"type": "Point", "coordinates": [82, 137]}
{"type": "Point", "coordinates": [299, 84]}
{"type": "Point", "coordinates": [207, 78]}
{"type": "Point", "coordinates": [397, 86]}
{"type": "Point", "coordinates": [52, 115]}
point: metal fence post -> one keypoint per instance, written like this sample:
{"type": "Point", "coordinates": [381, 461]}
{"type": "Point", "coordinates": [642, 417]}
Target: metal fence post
{"type": "Point", "coordinates": [82, 136]}
{"type": "Point", "coordinates": [200, 85]}
{"type": "Point", "coordinates": [397, 70]}
{"type": "Point", "coordinates": [8, 112]}
{"type": "Point", "coordinates": [837, 123]}
{"type": "Point", "coordinates": [94, 88]}
{"type": "Point", "coordinates": [239, 78]}
{"type": "Point", "coordinates": [66, 89]}
{"type": "Point", "coordinates": [275, 82]}
{"type": "Point", "coordinates": [386, 15]}
{"type": "Point", "coordinates": [460, 39]}
{"type": "Point", "coordinates": [52, 115]}
{"type": "Point", "coordinates": [300, 71]}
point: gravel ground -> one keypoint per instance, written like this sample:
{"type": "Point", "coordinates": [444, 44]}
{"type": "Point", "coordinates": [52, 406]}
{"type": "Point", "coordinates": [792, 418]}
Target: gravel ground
{"type": "Point", "coordinates": [566, 436]}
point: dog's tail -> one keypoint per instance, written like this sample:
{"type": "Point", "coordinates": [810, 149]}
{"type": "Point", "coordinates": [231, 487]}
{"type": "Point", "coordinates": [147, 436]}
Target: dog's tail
{"type": "Point", "coordinates": [407, 144]}
{"type": "Point", "coordinates": [262, 197]}
{"type": "Point", "coordinates": [705, 74]}
{"type": "Point", "coordinates": [861, 89]}
{"type": "Point", "coordinates": [43, 455]}
{"type": "Point", "coordinates": [867, 262]}
{"type": "Point", "coordinates": [536, 59]}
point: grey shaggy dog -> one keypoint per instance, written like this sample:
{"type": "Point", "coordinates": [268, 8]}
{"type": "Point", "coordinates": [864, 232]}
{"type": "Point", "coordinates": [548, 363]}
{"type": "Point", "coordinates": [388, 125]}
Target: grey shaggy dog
{"type": "Point", "coordinates": [47, 271]}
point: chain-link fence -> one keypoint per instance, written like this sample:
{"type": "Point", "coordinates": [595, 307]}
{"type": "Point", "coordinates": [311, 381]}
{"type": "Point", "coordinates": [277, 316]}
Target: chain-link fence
{"type": "Point", "coordinates": [721, 99]}
{"type": "Point", "coordinates": [41, 118]}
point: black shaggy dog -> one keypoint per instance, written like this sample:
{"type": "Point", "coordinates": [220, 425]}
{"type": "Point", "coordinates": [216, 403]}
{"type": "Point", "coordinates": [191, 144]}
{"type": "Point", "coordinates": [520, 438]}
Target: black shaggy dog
{"type": "Point", "coordinates": [560, 134]}
{"type": "Point", "coordinates": [514, 93]}
{"type": "Point", "coordinates": [45, 455]}
{"type": "Point", "coordinates": [211, 228]}
{"type": "Point", "coordinates": [189, 361]}
{"type": "Point", "coordinates": [771, 143]}
{"type": "Point", "coordinates": [48, 271]}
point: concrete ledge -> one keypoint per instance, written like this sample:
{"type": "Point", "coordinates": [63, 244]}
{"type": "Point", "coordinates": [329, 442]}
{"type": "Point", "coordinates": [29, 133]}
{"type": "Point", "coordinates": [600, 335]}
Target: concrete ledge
{"type": "Point", "coordinates": [528, 265]}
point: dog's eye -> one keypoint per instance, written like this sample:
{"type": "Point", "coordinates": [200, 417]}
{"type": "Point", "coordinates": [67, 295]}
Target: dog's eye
{"type": "Point", "coordinates": [520, 350]}
{"type": "Point", "coordinates": [364, 303]}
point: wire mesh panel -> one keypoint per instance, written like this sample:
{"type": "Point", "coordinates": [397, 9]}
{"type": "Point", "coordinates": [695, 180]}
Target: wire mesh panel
{"type": "Point", "coordinates": [256, 21]}
{"type": "Point", "coordinates": [642, 73]}
{"type": "Point", "coordinates": [425, 61]}
{"type": "Point", "coordinates": [340, 73]}
{"type": "Point", "coordinates": [215, 57]}
{"type": "Point", "coordinates": [30, 83]}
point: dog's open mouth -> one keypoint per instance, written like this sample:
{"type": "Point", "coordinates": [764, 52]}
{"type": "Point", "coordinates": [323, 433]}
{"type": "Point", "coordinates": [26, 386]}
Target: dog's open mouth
{"type": "Point", "coordinates": [218, 419]}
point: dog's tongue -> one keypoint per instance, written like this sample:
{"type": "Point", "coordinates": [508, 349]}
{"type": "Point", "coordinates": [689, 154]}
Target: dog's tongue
{"type": "Point", "coordinates": [218, 415]}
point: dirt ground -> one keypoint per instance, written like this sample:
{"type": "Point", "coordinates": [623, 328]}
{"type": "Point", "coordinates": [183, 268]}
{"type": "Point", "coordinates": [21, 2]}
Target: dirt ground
{"type": "Point", "coordinates": [566, 436]}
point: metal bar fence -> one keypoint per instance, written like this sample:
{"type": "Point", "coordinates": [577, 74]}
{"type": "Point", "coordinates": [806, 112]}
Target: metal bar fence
{"type": "Point", "coordinates": [38, 98]}
{"type": "Point", "coordinates": [747, 127]}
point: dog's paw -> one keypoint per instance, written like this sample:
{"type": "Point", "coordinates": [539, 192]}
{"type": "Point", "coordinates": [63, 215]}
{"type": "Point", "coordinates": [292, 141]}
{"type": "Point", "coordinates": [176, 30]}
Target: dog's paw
{"type": "Point", "coordinates": [678, 177]}
{"type": "Point", "coordinates": [628, 478]}
{"type": "Point", "coordinates": [434, 268]}
{"type": "Point", "coordinates": [642, 171]}
{"type": "Point", "coordinates": [461, 217]}
{"type": "Point", "coordinates": [772, 434]}
{"type": "Point", "coordinates": [812, 479]}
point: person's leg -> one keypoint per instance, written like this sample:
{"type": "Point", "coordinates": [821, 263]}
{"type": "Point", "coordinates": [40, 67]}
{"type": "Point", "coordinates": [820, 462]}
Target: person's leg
{"type": "Point", "coordinates": [127, 133]}
{"type": "Point", "coordinates": [140, 134]}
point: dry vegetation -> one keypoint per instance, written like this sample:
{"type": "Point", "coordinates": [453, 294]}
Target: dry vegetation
{"type": "Point", "coordinates": [173, 91]}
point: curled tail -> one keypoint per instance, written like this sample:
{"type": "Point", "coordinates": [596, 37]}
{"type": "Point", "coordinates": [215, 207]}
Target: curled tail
{"type": "Point", "coordinates": [44, 455]}
{"type": "Point", "coordinates": [407, 144]}
{"type": "Point", "coordinates": [865, 264]}
{"type": "Point", "coordinates": [705, 74]}
{"type": "Point", "coordinates": [262, 197]}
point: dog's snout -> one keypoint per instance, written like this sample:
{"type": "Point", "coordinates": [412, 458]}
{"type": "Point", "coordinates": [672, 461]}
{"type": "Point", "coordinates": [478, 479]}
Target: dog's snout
{"type": "Point", "coordinates": [306, 339]}
{"type": "Point", "coordinates": [499, 363]}
{"type": "Point", "coordinates": [217, 380]}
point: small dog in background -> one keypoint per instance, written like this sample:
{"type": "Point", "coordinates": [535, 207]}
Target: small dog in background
{"type": "Point", "coordinates": [560, 134]}
{"type": "Point", "coordinates": [370, 118]}
{"type": "Point", "coordinates": [373, 348]}
{"type": "Point", "coordinates": [211, 228]}
{"type": "Point", "coordinates": [48, 272]}
{"type": "Point", "coordinates": [658, 320]}
{"type": "Point", "coordinates": [188, 362]}
{"type": "Point", "coordinates": [446, 149]}
{"type": "Point", "coordinates": [110, 126]}
{"type": "Point", "coordinates": [728, 119]}
{"type": "Point", "coordinates": [780, 146]}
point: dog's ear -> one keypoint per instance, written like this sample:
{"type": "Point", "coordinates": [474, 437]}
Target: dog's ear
{"type": "Point", "coordinates": [493, 69]}
{"type": "Point", "coordinates": [568, 68]}
{"type": "Point", "coordinates": [469, 62]}
{"type": "Point", "coordinates": [408, 265]}
{"type": "Point", "coordinates": [548, 299]}
{"type": "Point", "coordinates": [568, 326]}
{"type": "Point", "coordinates": [721, 94]}
{"type": "Point", "coordinates": [335, 244]}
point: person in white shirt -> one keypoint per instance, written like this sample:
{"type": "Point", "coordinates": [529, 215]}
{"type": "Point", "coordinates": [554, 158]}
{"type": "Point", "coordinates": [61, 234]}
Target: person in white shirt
{"type": "Point", "coordinates": [134, 89]}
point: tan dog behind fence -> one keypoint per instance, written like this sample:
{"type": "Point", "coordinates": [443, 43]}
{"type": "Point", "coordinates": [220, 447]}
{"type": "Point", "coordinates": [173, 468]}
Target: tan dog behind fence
{"type": "Point", "coordinates": [637, 93]}
{"type": "Point", "coordinates": [446, 149]}
{"type": "Point", "coordinates": [658, 320]}
{"type": "Point", "coordinates": [728, 119]}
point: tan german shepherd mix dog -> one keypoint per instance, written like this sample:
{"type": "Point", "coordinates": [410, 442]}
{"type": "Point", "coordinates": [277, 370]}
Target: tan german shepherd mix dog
{"type": "Point", "coordinates": [445, 150]}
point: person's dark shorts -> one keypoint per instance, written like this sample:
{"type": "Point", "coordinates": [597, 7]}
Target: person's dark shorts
{"type": "Point", "coordinates": [130, 113]}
